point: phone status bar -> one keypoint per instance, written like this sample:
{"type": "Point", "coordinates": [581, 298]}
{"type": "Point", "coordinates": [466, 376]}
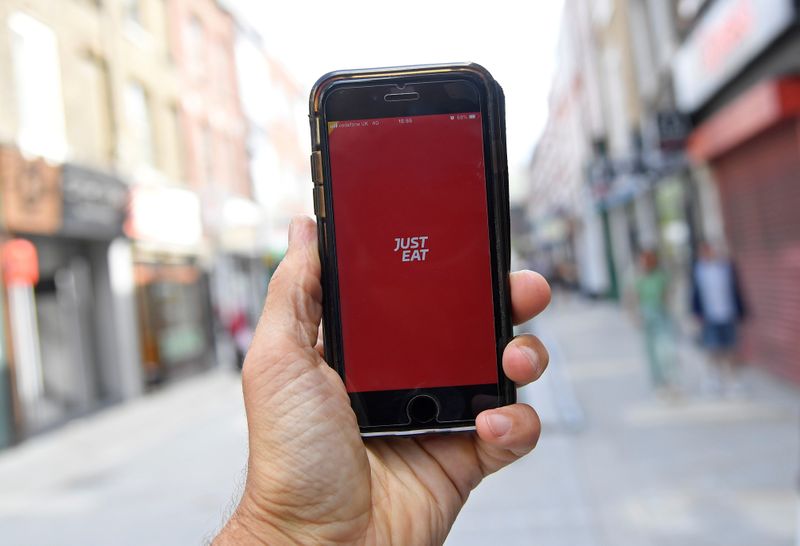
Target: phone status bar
{"type": "Point", "coordinates": [405, 120]}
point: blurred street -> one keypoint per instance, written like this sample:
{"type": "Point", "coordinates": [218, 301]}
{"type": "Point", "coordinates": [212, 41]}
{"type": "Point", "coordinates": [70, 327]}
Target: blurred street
{"type": "Point", "coordinates": [616, 465]}
{"type": "Point", "coordinates": [153, 152]}
{"type": "Point", "coordinates": [159, 470]}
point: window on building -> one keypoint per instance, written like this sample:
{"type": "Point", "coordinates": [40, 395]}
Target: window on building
{"type": "Point", "coordinates": [37, 83]}
{"type": "Point", "coordinates": [194, 38]}
{"type": "Point", "coordinates": [207, 153]}
{"type": "Point", "coordinates": [689, 9]}
{"type": "Point", "coordinates": [226, 68]}
{"type": "Point", "coordinates": [664, 24]}
{"type": "Point", "coordinates": [223, 168]}
{"type": "Point", "coordinates": [221, 73]}
{"type": "Point", "coordinates": [132, 11]}
{"type": "Point", "coordinates": [642, 36]}
{"type": "Point", "coordinates": [140, 124]}
{"type": "Point", "coordinates": [179, 145]}
{"type": "Point", "coordinates": [616, 102]}
{"type": "Point", "coordinates": [602, 12]}
{"type": "Point", "coordinates": [165, 30]}
{"type": "Point", "coordinates": [96, 128]}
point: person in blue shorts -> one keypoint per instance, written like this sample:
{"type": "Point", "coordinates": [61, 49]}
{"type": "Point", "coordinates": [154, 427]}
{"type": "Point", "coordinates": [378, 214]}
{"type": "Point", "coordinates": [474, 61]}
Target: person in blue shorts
{"type": "Point", "coordinates": [718, 305]}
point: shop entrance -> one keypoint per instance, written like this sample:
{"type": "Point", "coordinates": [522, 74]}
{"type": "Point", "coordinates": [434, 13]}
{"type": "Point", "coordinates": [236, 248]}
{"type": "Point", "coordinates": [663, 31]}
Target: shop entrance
{"type": "Point", "coordinates": [174, 319]}
{"type": "Point", "coordinates": [63, 334]}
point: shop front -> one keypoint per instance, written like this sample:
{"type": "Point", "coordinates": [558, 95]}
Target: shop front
{"type": "Point", "coordinates": [171, 279]}
{"type": "Point", "coordinates": [239, 289]}
{"type": "Point", "coordinates": [617, 195]}
{"type": "Point", "coordinates": [239, 274]}
{"type": "Point", "coordinates": [738, 75]}
{"type": "Point", "coordinates": [753, 149]}
{"type": "Point", "coordinates": [65, 349]}
{"type": "Point", "coordinates": [6, 407]}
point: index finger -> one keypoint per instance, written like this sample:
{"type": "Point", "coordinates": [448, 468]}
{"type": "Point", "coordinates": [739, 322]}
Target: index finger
{"type": "Point", "coordinates": [530, 294]}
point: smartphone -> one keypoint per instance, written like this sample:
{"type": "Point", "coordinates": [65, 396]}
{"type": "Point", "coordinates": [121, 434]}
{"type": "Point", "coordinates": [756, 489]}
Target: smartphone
{"type": "Point", "coordinates": [411, 199]}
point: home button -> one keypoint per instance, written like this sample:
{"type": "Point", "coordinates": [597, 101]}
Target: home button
{"type": "Point", "coordinates": [423, 409]}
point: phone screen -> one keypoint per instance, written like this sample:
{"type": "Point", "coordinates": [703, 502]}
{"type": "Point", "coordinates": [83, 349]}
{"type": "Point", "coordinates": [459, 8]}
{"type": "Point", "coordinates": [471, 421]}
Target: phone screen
{"type": "Point", "coordinates": [413, 251]}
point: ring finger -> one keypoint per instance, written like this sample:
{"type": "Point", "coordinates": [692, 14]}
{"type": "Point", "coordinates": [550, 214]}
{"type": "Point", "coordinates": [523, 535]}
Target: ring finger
{"type": "Point", "coordinates": [525, 359]}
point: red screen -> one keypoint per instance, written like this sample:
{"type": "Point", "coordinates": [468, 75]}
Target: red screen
{"type": "Point", "coordinates": [412, 243]}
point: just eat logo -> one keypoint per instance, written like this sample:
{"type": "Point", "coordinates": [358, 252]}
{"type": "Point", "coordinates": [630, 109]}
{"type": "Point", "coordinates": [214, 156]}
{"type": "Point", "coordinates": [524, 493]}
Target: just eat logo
{"type": "Point", "coordinates": [412, 249]}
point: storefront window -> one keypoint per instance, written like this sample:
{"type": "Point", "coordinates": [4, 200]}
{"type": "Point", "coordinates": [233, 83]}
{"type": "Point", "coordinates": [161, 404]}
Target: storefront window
{"type": "Point", "coordinates": [175, 320]}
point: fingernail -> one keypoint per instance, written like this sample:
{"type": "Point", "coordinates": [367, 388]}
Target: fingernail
{"type": "Point", "coordinates": [531, 356]}
{"type": "Point", "coordinates": [292, 229]}
{"type": "Point", "coordinates": [498, 423]}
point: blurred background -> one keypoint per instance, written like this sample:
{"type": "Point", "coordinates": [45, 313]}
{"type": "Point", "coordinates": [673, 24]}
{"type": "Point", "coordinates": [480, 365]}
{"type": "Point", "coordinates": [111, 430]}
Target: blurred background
{"type": "Point", "coordinates": [152, 153]}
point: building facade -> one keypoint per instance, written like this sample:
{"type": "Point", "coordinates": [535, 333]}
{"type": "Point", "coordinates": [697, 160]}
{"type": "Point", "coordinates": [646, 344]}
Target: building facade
{"type": "Point", "coordinates": [204, 37]}
{"type": "Point", "coordinates": [122, 163]}
{"type": "Point", "coordinates": [72, 344]}
{"type": "Point", "coordinates": [695, 141]}
{"type": "Point", "coordinates": [736, 75]}
{"type": "Point", "coordinates": [567, 237]}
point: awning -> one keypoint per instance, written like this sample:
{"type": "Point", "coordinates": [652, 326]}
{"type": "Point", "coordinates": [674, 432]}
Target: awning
{"type": "Point", "coordinates": [751, 114]}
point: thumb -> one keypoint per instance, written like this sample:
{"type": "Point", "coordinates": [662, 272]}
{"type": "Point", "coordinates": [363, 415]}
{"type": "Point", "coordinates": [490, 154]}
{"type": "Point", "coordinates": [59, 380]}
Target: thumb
{"type": "Point", "coordinates": [294, 298]}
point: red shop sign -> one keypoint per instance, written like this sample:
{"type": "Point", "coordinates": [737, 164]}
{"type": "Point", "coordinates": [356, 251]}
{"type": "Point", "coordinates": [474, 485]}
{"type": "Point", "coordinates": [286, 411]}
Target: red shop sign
{"type": "Point", "coordinates": [20, 262]}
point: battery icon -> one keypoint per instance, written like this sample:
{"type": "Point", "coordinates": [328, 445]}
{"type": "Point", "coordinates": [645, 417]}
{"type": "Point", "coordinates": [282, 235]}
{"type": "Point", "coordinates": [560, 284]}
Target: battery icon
{"type": "Point", "coordinates": [472, 116]}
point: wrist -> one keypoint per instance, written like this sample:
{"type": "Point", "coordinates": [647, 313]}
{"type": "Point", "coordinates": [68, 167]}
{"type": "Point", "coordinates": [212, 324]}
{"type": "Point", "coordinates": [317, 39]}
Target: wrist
{"type": "Point", "coordinates": [254, 523]}
{"type": "Point", "coordinates": [250, 525]}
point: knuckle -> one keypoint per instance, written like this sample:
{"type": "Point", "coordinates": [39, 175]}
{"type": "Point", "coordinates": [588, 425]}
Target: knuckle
{"type": "Point", "coordinates": [528, 430]}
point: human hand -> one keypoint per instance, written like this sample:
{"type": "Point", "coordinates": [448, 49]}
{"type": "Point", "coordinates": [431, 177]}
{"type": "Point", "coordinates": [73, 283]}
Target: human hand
{"type": "Point", "coordinates": [311, 478]}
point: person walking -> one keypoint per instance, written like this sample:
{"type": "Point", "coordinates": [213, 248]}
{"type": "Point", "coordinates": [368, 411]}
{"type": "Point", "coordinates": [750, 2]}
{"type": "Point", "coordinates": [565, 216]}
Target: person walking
{"type": "Point", "coordinates": [651, 290]}
{"type": "Point", "coordinates": [718, 306]}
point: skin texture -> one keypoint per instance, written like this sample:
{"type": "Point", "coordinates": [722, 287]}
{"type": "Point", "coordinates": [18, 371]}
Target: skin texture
{"type": "Point", "coordinates": [311, 478]}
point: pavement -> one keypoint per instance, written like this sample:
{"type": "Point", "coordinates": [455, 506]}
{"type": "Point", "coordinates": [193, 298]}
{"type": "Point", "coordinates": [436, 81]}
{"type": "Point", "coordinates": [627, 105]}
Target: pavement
{"type": "Point", "coordinates": [616, 464]}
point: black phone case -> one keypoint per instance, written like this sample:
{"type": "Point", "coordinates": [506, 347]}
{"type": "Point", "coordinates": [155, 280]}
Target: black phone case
{"type": "Point", "coordinates": [495, 114]}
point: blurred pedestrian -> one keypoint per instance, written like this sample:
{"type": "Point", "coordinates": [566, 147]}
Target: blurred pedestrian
{"type": "Point", "coordinates": [651, 290]}
{"type": "Point", "coordinates": [717, 304]}
{"type": "Point", "coordinates": [241, 334]}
